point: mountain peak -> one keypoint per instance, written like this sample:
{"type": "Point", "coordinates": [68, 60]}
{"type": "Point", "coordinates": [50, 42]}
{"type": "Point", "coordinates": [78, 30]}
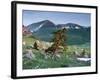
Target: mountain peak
{"type": "Point", "coordinates": [70, 26]}
{"type": "Point", "coordinates": [42, 24]}
{"type": "Point", "coordinates": [48, 21]}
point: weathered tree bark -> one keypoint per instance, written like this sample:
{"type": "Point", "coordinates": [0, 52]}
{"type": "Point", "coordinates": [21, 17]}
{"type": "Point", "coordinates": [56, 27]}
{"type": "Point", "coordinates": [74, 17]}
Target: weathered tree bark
{"type": "Point", "coordinates": [59, 40]}
{"type": "Point", "coordinates": [35, 46]}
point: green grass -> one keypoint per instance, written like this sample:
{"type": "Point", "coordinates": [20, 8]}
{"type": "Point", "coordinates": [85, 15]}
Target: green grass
{"type": "Point", "coordinates": [43, 60]}
{"type": "Point", "coordinates": [70, 49]}
{"type": "Point", "coordinates": [28, 39]}
{"type": "Point", "coordinates": [52, 62]}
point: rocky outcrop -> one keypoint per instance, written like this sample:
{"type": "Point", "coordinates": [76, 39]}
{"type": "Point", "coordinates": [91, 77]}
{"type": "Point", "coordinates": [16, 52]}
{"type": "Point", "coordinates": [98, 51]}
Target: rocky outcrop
{"type": "Point", "coordinates": [41, 45]}
{"type": "Point", "coordinates": [29, 54]}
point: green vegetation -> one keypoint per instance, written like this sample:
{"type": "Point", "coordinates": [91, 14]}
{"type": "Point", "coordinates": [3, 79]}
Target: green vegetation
{"type": "Point", "coordinates": [49, 61]}
{"type": "Point", "coordinates": [42, 59]}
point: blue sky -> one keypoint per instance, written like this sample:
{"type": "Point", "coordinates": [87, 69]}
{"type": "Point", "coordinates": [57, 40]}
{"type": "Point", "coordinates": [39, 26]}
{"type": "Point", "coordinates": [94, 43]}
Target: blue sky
{"type": "Point", "coordinates": [30, 17]}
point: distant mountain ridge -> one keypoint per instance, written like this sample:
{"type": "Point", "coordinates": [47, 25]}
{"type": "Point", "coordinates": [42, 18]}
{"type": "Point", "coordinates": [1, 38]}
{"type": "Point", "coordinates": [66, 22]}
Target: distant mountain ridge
{"type": "Point", "coordinates": [47, 23]}
{"type": "Point", "coordinates": [76, 34]}
{"type": "Point", "coordinates": [70, 26]}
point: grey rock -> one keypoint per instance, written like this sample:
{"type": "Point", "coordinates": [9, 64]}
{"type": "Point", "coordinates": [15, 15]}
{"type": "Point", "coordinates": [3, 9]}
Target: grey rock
{"type": "Point", "coordinates": [29, 54]}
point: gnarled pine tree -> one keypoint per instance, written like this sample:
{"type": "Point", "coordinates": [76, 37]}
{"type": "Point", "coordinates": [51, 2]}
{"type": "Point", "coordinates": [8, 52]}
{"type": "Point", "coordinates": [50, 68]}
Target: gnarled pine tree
{"type": "Point", "coordinates": [59, 40]}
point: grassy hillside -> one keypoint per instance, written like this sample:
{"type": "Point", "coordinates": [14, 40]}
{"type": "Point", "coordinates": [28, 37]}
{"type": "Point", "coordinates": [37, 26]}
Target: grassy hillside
{"type": "Point", "coordinates": [63, 59]}
{"type": "Point", "coordinates": [46, 61]}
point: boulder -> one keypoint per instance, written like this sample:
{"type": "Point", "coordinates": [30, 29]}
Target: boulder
{"type": "Point", "coordinates": [41, 45]}
{"type": "Point", "coordinates": [29, 54]}
{"type": "Point", "coordinates": [24, 43]}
